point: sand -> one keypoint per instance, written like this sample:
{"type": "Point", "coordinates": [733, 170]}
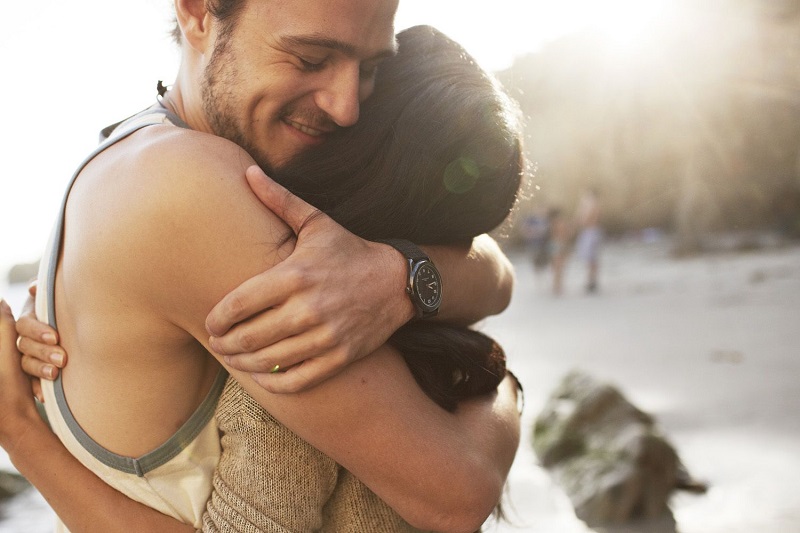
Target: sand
{"type": "Point", "coordinates": [710, 346]}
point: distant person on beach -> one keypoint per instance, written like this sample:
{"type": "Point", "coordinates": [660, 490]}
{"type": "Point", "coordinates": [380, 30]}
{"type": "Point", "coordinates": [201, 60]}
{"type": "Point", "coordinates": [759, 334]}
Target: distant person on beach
{"type": "Point", "coordinates": [590, 236]}
{"type": "Point", "coordinates": [535, 231]}
{"type": "Point", "coordinates": [132, 301]}
{"type": "Point", "coordinates": [559, 246]}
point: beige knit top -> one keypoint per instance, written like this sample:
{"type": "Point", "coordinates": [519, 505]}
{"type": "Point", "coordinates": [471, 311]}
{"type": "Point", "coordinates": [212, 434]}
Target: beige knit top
{"type": "Point", "coordinates": [270, 480]}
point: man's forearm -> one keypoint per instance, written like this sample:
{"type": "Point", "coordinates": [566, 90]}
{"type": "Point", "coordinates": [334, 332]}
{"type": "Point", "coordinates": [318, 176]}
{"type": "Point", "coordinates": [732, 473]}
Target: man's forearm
{"type": "Point", "coordinates": [495, 430]}
{"type": "Point", "coordinates": [477, 281]}
{"type": "Point", "coordinates": [440, 471]}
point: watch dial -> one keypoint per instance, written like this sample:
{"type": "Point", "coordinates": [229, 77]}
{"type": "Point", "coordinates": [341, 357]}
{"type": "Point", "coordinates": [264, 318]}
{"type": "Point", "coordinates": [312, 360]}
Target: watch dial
{"type": "Point", "coordinates": [429, 287]}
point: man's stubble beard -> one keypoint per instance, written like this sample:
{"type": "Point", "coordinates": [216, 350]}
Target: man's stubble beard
{"type": "Point", "coordinates": [219, 100]}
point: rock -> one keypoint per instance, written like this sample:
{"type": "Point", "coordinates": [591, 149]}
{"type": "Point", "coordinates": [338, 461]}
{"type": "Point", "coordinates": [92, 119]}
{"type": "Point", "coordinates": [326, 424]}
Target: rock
{"type": "Point", "coordinates": [11, 484]}
{"type": "Point", "coordinates": [607, 454]}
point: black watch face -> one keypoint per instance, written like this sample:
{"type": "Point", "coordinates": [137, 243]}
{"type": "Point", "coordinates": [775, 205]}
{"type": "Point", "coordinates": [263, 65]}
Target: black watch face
{"type": "Point", "coordinates": [428, 285]}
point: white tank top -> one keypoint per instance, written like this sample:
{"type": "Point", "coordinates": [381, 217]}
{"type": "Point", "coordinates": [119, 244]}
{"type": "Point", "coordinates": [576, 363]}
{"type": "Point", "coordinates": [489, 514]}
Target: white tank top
{"type": "Point", "coordinates": [175, 478]}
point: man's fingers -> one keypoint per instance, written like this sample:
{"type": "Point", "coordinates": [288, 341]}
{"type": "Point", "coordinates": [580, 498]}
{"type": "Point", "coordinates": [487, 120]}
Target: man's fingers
{"type": "Point", "coordinates": [252, 296]}
{"type": "Point", "coordinates": [38, 369]}
{"type": "Point", "coordinates": [285, 354]}
{"type": "Point", "coordinates": [271, 326]}
{"type": "Point", "coordinates": [294, 211]}
{"type": "Point", "coordinates": [301, 377]}
{"type": "Point", "coordinates": [250, 335]}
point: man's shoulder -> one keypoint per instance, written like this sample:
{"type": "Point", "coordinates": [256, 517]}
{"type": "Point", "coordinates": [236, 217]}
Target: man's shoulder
{"type": "Point", "coordinates": [174, 151]}
{"type": "Point", "coordinates": [168, 199]}
{"type": "Point", "coordinates": [167, 179]}
{"type": "Point", "coordinates": [166, 164]}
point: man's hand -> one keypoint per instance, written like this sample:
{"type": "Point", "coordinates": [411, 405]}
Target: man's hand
{"type": "Point", "coordinates": [335, 299]}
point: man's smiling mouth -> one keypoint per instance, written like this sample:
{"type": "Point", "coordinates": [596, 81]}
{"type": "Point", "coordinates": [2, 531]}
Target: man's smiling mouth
{"type": "Point", "coordinates": [308, 130]}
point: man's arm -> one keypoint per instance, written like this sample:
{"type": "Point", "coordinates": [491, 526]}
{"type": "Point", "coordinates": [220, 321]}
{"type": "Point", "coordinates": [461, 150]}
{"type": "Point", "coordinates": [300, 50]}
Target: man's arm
{"type": "Point", "coordinates": [337, 297]}
{"type": "Point", "coordinates": [484, 434]}
{"type": "Point", "coordinates": [372, 418]}
{"type": "Point", "coordinates": [209, 233]}
{"type": "Point", "coordinates": [478, 280]}
{"type": "Point", "coordinates": [487, 277]}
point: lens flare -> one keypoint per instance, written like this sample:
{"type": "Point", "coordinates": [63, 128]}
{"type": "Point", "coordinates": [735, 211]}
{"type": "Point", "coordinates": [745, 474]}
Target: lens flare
{"type": "Point", "coordinates": [461, 175]}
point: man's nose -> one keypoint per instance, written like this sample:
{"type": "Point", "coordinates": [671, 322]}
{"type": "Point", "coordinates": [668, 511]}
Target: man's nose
{"type": "Point", "coordinates": [340, 98]}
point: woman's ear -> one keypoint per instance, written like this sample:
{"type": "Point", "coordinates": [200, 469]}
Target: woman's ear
{"type": "Point", "coordinates": [194, 20]}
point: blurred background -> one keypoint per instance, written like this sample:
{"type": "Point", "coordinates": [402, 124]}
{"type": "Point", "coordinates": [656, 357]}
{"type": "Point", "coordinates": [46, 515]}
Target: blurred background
{"type": "Point", "coordinates": [683, 115]}
{"type": "Point", "coordinates": [688, 123]}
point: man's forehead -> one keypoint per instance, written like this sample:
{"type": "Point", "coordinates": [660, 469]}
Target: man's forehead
{"type": "Point", "coordinates": [355, 27]}
{"type": "Point", "coordinates": [346, 48]}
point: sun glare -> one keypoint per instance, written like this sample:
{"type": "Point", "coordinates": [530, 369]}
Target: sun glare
{"type": "Point", "coordinates": [625, 24]}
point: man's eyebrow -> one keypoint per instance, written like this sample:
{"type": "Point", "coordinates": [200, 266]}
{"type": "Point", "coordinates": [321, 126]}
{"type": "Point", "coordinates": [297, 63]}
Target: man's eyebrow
{"type": "Point", "coordinates": [333, 44]}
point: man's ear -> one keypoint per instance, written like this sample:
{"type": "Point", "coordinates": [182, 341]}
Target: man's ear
{"type": "Point", "coordinates": [194, 20]}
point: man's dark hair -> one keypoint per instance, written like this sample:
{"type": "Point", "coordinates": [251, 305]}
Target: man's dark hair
{"type": "Point", "coordinates": [436, 158]}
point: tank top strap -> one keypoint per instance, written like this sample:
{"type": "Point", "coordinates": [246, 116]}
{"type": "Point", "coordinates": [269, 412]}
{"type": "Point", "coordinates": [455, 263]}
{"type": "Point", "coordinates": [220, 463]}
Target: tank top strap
{"type": "Point", "coordinates": [153, 115]}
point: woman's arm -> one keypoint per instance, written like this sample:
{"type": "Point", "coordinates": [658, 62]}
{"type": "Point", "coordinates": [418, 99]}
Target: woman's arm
{"type": "Point", "coordinates": [81, 499]}
{"type": "Point", "coordinates": [84, 502]}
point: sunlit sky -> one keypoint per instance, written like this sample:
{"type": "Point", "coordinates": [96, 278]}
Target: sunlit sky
{"type": "Point", "coordinates": [74, 67]}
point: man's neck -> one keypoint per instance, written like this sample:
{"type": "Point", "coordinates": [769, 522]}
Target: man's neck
{"type": "Point", "coordinates": [188, 107]}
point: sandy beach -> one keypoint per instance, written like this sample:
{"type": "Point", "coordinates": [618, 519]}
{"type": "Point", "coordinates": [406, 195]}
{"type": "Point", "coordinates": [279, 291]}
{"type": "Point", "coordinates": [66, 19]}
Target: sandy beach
{"type": "Point", "coordinates": [710, 346]}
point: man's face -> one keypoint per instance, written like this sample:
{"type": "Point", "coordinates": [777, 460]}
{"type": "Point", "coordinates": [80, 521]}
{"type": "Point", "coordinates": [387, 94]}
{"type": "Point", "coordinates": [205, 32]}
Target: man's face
{"type": "Point", "coordinates": [292, 71]}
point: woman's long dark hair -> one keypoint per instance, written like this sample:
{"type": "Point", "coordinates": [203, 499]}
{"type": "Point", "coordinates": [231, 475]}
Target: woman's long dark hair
{"type": "Point", "coordinates": [436, 158]}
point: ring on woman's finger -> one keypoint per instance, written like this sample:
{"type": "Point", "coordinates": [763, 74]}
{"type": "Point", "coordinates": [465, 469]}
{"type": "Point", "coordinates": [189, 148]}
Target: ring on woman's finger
{"type": "Point", "coordinates": [276, 368]}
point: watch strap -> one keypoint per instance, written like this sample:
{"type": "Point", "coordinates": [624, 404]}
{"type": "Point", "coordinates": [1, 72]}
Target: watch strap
{"type": "Point", "coordinates": [407, 248]}
{"type": "Point", "coordinates": [415, 256]}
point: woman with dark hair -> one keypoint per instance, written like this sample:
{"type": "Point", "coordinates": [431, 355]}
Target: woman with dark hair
{"type": "Point", "coordinates": [436, 159]}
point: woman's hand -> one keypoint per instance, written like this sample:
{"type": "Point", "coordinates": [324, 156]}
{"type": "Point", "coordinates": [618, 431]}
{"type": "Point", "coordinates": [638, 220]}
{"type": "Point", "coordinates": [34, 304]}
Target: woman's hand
{"type": "Point", "coordinates": [77, 495]}
{"type": "Point", "coordinates": [42, 357]}
{"type": "Point", "coordinates": [17, 408]}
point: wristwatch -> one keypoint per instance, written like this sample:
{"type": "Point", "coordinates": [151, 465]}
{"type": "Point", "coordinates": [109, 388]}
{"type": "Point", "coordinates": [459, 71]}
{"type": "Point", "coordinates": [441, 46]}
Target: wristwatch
{"type": "Point", "coordinates": [424, 284]}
